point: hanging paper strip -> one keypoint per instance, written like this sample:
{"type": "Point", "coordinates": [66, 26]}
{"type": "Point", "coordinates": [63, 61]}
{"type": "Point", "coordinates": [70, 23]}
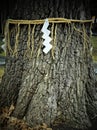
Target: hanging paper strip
{"type": "Point", "coordinates": [46, 37]}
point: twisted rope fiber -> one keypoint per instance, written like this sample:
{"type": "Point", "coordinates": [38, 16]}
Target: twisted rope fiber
{"type": "Point", "coordinates": [30, 40]}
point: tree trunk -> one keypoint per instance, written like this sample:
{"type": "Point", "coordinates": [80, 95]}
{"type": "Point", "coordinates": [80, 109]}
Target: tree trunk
{"type": "Point", "coordinates": [55, 88]}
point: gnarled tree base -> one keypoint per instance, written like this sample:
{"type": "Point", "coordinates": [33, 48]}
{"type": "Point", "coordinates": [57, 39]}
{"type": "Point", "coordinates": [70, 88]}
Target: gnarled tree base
{"type": "Point", "coordinates": [57, 88]}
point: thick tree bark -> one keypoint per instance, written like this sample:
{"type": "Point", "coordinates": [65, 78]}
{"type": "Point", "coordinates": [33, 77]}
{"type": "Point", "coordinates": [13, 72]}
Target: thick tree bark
{"type": "Point", "coordinates": [57, 88]}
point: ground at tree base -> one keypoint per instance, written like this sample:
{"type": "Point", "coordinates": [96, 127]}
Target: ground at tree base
{"type": "Point", "coordinates": [8, 122]}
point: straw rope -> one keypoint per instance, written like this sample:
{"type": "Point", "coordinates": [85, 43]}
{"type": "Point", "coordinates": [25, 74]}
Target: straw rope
{"type": "Point", "coordinates": [17, 40]}
{"type": "Point", "coordinates": [51, 20]}
{"type": "Point", "coordinates": [31, 32]}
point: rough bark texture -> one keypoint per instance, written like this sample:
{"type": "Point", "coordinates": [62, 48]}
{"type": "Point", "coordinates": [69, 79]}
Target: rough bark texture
{"type": "Point", "coordinates": [59, 90]}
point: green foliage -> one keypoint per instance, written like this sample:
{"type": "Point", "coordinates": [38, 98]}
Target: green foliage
{"type": "Point", "coordinates": [1, 43]}
{"type": "Point", "coordinates": [1, 72]}
{"type": "Point", "coordinates": [2, 53]}
{"type": "Point", "coordinates": [94, 44]}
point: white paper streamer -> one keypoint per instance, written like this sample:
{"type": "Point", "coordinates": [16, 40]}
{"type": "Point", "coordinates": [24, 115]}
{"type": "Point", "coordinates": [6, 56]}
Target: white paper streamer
{"type": "Point", "coordinates": [46, 37]}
